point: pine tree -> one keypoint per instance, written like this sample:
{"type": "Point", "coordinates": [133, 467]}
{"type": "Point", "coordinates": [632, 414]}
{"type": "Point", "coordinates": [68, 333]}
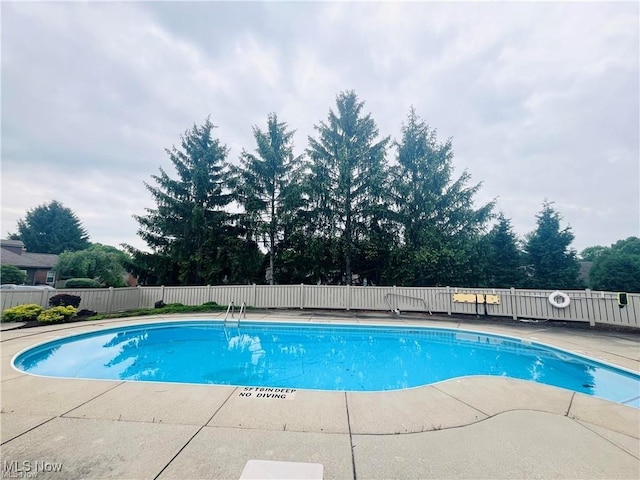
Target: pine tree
{"type": "Point", "coordinates": [440, 225]}
{"type": "Point", "coordinates": [504, 262]}
{"type": "Point", "coordinates": [268, 185]}
{"type": "Point", "coordinates": [192, 235]}
{"type": "Point", "coordinates": [51, 228]}
{"type": "Point", "coordinates": [346, 185]}
{"type": "Point", "coordinates": [551, 263]}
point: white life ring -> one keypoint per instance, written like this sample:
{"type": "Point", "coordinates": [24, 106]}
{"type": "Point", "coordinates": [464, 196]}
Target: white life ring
{"type": "Point", "coordinates": [562, 303]}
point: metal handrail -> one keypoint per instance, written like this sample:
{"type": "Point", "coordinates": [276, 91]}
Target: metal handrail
{"type": "Point", "coordinates": [243, 309]}
{"type": "Point", "coordinates": [388, 296]}
{"type": "Point", "coordinates": [231, 309]}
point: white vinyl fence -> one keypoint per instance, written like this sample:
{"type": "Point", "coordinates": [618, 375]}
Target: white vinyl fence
{"type": "Point", "coordinates": [584, 306]}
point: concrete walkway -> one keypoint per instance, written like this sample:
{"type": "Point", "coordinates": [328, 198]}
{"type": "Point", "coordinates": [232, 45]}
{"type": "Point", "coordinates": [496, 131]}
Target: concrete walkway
{"type": "Point", "coordinates": [472, 427]}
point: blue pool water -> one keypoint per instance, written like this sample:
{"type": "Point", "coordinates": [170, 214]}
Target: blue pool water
{"type": "Point", "coordinates": [345, 358]}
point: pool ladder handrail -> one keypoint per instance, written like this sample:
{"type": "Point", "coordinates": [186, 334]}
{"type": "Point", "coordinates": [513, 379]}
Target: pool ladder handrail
{"type": "Point", "coordinates": [232, 308]}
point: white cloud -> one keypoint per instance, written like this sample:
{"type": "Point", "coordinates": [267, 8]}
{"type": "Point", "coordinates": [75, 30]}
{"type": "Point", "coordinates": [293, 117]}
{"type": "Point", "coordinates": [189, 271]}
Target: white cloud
{"type": "Point", "coordinates": [541, 99]}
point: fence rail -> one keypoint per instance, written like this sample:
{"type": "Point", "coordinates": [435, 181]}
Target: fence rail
{"type": "Point", "coordinates": [584, 306]}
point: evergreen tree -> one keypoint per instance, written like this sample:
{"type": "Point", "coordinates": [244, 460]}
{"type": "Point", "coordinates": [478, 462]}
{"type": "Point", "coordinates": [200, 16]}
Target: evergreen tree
{"type": "Point", "coordinates": [346, 185]}
{"type": "Point", "coordinates": [551, 263]}
{"type": "Point", "coordinates": [152, 268]}
{"type": "Point", "coordinates": [504, 262]}
{"type": "Point", "coordinates": [268, 185]}
{"type": "Point", "coordinates": [440, 226]}
{"type": "Point", "coordinates": [191, 234]}
{"type": "Point", "coordinates": [51, 228]}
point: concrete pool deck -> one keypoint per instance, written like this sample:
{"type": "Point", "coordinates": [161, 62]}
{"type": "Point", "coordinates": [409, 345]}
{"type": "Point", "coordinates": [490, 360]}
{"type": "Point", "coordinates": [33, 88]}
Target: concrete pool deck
{"type": "Point", "coordinates": [473, 427]}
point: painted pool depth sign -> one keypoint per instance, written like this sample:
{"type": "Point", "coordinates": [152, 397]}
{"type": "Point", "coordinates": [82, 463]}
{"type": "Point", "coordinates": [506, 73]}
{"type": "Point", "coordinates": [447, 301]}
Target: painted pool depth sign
{"type": "Point", "coordinates": [265, 392]}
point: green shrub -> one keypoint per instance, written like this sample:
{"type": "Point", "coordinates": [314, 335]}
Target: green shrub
{"type": "Point", "coordinates": [64, 299]}
{"type": "Point", "coordinates": [57, 314]}
{"type": "Point", "coordinates": [12, 274]}
{"type": "Point", "coordinates": [81, 283]}
{"type": "Point", "coordinates": [22, 313]}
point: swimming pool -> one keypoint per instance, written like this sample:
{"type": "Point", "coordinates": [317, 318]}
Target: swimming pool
{"type": "Point", "coordinates": [322, 357]}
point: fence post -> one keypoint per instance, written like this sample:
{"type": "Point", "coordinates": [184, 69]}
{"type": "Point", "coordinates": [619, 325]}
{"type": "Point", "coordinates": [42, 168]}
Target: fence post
{"type": "Point", "coordinates": [255, 296]}
{"type": "Point", "coordinates": [449, 301]}
{"type": "Point", "coordinates": [394, 304]}
{"type": "Point", "coordinates": [109, 299]}
{"type": "Point", "coordinates": [139, 295]}
{"type": "Point", "coordinates": [635, 316]}
{"type": "Point", "coordinates": [44, 298]}
{"type": "Point", "coordinates": [162, 292]}
{"type": "Point", "coordinates": [302, 296]}
{"type": "Point", "coordinates": [590, 311]}
{"type": "Point", "coordinates": [514, 304]}
{"type": "Point", "coordinates": [348, 297]}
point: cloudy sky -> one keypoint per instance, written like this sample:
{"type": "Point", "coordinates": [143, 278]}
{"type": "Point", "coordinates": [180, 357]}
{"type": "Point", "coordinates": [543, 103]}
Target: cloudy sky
{"type": "Point", "coordinates": [541, 98]}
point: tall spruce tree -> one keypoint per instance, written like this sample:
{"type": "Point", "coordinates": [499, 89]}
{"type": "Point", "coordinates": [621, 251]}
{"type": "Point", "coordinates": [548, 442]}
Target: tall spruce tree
{"type": "Point", "coordinates": [268, 185]}
{"type": "Point", "coordinates": [551, 263]}
{"type": "Point", "coordinates": [51, 228]}
{"type": "Point", "coordinates": [504, 259]}
{"type": "Point", "coordinates": [195, 241]}
{"type": "Point", "coordinates": [347, 180]}
{"type": "Point", "coordinates": [441, 227]}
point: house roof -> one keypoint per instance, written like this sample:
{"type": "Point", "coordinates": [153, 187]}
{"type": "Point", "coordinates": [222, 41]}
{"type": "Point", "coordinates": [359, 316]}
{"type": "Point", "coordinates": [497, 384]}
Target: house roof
{"type": "Point", "coordinates": [11, 243]}
{"type": "Point", "coordinates": [28, 260]}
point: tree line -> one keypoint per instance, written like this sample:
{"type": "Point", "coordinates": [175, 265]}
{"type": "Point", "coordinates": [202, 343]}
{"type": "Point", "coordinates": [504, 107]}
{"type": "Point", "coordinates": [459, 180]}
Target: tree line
{"type": "Point", "coordinates": [340, 212]}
